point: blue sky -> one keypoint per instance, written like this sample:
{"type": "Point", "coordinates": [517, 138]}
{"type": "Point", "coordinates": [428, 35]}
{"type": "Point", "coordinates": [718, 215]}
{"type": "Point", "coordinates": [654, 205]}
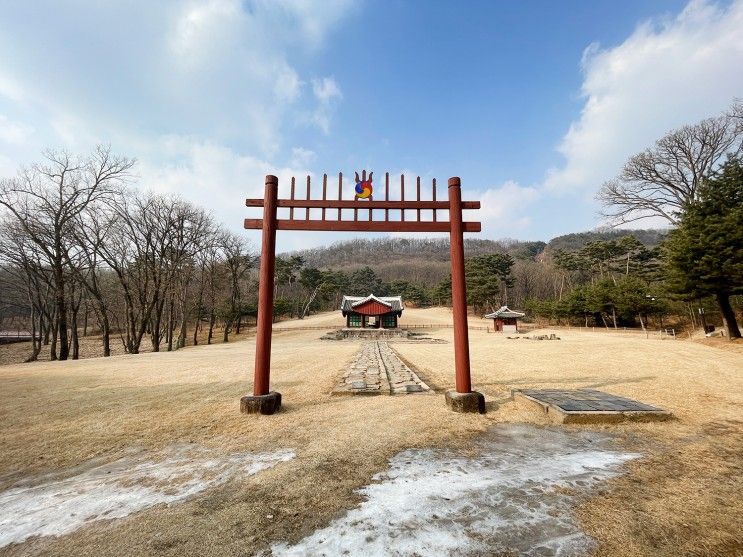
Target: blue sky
{"type": "Point", "coordinates": [533, 104]}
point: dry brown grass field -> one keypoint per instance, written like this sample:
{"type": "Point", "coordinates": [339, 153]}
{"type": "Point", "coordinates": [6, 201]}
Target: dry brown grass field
{"type": "Point", "coordinates": [682, 497]}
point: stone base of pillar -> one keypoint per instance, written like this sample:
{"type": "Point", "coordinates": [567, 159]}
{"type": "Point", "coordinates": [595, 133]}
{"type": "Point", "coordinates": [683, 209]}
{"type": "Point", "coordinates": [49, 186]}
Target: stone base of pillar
{"type": "Point", "coordinates": [261, 404]}
{"type": "Point", "coordinates": [473, 402]}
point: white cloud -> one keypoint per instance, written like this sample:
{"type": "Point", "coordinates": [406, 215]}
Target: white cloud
{"type": "Point", "coordinates": [669, 72]}
{"type": "Point", "coordinates": [314, 20]}
{"type": "Point", "coordinates": [222, 69]}
{"type": "Point", "coordinates": [302, 157]}
{"type": "Point", "coordinates": [14, 132]}
{"type": "Point", "coordinates": [11, 89]}
{"type": "Point", "coordinates": [504, 209]}
{"type": "Point", "coordinates": [328, 93]}
{"type": "Point", "coordinates": [326, 90]}
{"type": "Point", "coordinates": [205, 30]}
{"type": "Point", "coordinates": [217, 178]}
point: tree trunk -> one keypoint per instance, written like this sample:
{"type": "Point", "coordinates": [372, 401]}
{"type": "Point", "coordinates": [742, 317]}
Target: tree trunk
{"type": "Point", "coordinates": [155, 327]}
{"type": "Point", "coordinates": [75, 340]}
{"type": "Point", "coordinates": [35, 346]}
{"type": "Point", "coordinates": [614, 316]}
{"type": "Point", "coordinates": [211, 327]}
{"type": "Point", "coordinates": [604, 320]}
{"type": "Point", "coordinates": [59, 292]}
{"type": "Point", "coordinates": [182, 336]}
{"type": "Point", "coordinates": [53, 344]}
{"type": "Point", "coordinates": [171, 322]}
{"type": "Point", "coordinates": [199, 308]}
{"type": "Point", "coordinates": [728, 315]}
{"type": "Point", "coordinates": [196, 330]}
{"type": "Point", "coordinates": [105, 326]}
{"type": "Point", "coordinates": [642, 323]}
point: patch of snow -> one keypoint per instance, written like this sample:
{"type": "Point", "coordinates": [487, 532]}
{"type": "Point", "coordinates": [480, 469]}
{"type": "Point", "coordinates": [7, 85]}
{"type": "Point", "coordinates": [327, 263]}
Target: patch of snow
{"type": "Point", "coordinates": [505, 499]}
{"type": "Point", "coordinates": [117, 489]}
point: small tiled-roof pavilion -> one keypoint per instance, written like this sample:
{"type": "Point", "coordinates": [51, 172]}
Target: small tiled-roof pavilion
{"type": "Point", "coordinates": [372, 311]}
{"type": "Point", "coordinates": [505, 320]}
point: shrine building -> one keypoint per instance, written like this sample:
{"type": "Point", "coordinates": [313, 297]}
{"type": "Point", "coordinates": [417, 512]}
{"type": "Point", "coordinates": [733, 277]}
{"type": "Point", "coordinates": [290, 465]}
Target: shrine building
{"type": "Point", "coordinates": [372, 312]}
{"type": "Point", "coordinates": [505, 320]}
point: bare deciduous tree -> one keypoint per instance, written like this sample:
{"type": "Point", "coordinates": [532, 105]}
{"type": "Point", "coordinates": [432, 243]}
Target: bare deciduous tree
{"type": "Point", "coordinates": [46, 198]}
{"type": "Point", "coordinates": [663, 180]}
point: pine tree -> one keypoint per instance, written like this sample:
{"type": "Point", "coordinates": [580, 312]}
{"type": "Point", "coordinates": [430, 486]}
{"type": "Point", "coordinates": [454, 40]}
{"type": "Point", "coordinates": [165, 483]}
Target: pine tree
{"type": "Point", "coordinates": [705, 252]}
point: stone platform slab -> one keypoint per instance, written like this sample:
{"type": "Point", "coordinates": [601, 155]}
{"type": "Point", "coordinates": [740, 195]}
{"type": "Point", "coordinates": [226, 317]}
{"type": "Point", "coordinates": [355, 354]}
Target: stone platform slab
{"type": "Point", "coordinates": [570, 406]}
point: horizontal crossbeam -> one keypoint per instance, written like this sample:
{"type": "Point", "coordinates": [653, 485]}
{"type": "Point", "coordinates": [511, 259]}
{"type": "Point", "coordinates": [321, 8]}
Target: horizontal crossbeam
{"type": "Point", "coordinates": [362, 226]}
{"type": "Point", "coordinates": [348, 204]}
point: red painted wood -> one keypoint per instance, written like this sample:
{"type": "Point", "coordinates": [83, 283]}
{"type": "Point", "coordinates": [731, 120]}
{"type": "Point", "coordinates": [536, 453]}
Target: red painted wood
{"type": "Point", "coordinates": [386, 194]}
{"type": "Point", "coordinates": [270, 224]}
{"type": "Point", "coordinates": [350, 204]}
{"type": "Point", "coordinates": [340, 192]}
{"type": "Point", "coordinates": [262, 372]}
{"type": "Point", "coordinates": [363, 226]}
{"type": "Point", "coordinates": [459, 289]}
{"type": "Point", "coordinates": [418, 196]}
{"type": "Point", "coordinates": [372, 308]}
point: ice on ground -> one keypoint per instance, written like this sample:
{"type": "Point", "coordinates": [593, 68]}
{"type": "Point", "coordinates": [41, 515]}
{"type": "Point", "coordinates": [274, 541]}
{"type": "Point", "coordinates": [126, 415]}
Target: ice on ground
{"type": "Point", "coordinates": [117, 489]}
{"type": "Point", "coordinates": [505, 500]}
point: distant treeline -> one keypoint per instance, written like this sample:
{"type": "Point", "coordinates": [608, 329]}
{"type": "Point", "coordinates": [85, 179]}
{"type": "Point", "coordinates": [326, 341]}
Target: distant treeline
{"type": "Point", "coordinates": [608, 278]}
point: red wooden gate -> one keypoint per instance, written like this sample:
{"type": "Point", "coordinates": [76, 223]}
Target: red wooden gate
{"type": "Point", "coordinates": [266, 402]}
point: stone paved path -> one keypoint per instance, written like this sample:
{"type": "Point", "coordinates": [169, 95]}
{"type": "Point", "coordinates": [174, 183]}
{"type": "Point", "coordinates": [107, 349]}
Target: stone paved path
{"type": "Point", "coordinates": [377, 370]}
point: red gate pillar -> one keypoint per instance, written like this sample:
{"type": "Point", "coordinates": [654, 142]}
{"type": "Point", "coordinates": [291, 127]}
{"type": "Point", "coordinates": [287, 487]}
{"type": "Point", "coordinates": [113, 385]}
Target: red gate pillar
{"type": "Point", "coordinates": [464, 399]}
{"type": "Point", "coordinates": [263, 401]}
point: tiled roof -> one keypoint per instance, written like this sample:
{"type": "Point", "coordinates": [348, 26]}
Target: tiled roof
{"type": "Point", "coordinates": [504, 313]}
{"type": "Point", "coordinates": [393, 302]}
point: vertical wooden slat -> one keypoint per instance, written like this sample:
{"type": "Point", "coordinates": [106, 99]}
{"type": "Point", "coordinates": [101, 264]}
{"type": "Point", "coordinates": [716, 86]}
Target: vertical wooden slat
{"type": "Point", "coordinates": [386, 195]}
{"type": "Point", "coordinates": [418, 196]}
{"type": "Point", "coordinates": [340, 191]}
{"type": "Point", "coordinates": [291, 196]}
{"type": "Point", "coordinates": [434, 198]}
{"type": "Point", "coordinates": [402, 195]}
{"type": "Point", "coordinates": [307, 210]}
{"type": "Point", "coordinates": [370, 199]}
{"type": "Point", "coordinates": [356, 211]}
{"type": "Point", "coordinates": [324, 192]}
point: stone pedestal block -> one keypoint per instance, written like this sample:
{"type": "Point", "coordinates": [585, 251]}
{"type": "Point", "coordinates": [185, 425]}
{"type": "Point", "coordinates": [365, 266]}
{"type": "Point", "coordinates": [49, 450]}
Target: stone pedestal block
{"type": "Point", "coordinates": [472, 402]}
{"type": "Point", "coordinates": [261, 404]}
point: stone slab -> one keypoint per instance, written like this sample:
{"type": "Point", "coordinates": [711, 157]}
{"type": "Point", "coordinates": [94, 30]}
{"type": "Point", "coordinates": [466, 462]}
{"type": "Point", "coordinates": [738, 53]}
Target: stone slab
{"type": "Point", "coordinates": [566, 406]}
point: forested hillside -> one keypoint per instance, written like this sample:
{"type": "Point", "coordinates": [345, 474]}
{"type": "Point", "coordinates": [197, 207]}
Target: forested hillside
{"type": "Point", "coordinates": [417, 260]}
{"type": "Point", "coordinates": [577, 240]}
{"type": "Point", "coordinates": [608, 276]}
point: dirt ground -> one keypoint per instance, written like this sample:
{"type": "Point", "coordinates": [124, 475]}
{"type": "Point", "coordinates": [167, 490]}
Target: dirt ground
{"type": "Point", "coordinates": [681, 498]}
